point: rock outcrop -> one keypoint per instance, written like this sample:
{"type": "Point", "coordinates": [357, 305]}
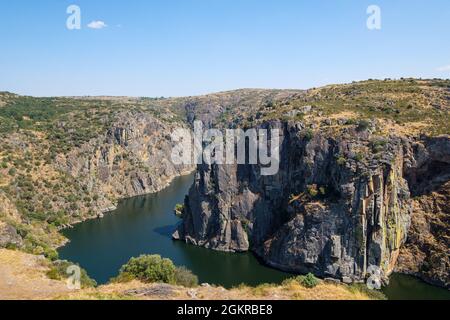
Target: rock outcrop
{"type": "Point", "coordinates": [133, 158]}
{"type": "Point", "coordinates": [335, 208]}
{"type": "Point", "coordinates": [9, 236]}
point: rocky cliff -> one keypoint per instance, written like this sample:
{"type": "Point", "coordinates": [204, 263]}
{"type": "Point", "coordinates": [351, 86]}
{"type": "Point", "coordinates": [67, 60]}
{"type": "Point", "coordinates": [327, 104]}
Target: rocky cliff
{"type": "Point", "coordinates": [333, 209]}
{"type": "Point", "coordinates": [363, 181]}
{"type": "Point", "coordinates": [131, 159]}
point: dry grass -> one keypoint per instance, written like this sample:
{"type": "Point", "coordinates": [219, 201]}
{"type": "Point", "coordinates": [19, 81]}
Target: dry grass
{"type": "Point", "coordinates": [412, 129]}
{"type": "Point", "coordinates": [337, 116]}
{"type": "Point", "coordinates": [23, 277]}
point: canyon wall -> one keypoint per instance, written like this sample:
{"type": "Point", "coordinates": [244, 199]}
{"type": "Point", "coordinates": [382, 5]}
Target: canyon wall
{"type": "Point", "coordinates": [335, 208]}
{"type": "Point", "coordinates": [131, 159]}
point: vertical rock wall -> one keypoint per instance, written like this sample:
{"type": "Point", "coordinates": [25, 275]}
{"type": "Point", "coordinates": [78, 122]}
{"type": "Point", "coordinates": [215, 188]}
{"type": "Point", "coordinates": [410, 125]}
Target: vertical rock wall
{"type": "Point", "coordinates": [334, 208]}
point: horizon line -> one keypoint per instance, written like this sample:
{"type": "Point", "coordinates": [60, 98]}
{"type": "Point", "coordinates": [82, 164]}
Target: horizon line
{"type": "Point", "coordinates": [221, 91]}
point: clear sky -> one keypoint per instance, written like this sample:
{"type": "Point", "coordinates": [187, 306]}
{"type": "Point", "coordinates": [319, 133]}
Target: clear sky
{"type": "Point", "coordinates": [190, 47]}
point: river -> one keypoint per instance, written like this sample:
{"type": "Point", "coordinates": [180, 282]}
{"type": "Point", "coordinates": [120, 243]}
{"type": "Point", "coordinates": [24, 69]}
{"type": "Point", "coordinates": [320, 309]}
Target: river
{"type": "Point", "coordinates": [143, 225]}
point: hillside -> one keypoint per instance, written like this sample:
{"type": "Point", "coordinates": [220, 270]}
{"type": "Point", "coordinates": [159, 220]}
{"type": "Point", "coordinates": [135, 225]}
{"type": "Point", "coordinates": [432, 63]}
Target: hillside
{"type": "Point", "coordinates": [68, 159]}
{"type": "Point", "coordinates": [24, 277]}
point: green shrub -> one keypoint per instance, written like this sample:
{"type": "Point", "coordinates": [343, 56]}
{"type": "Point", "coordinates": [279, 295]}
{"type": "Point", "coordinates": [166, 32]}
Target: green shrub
{"type": "Point", "coordinates": [378, 145]}
{"type": "Point", "coordinates": [269, 105]}
{"type": "Point", "coordinates": [150, 268]}
{"type": "Point", "coordinates": [153, 268]}
{"type": "Point", "coordinates": [12, 246]}
{"type": "Point", "coordinates": [54, 274]}
{"type": "Point", "coordinates": [363, 125]}
{"type": "Point", "coordinates": [58, 271]}
{"type": "Point", "coordinates": [309, 135]}
{"type": "Point", "coordinates": [123, 277]}
{"type": "Point", "coordinates": [184, 277]}
{"type": "Point", "coordinates": [179, 208]}
{"type": "Point", "coordinates": [323, 191]}
{"type": "Point", "coordinates": [359, 156]}
{"type": "Point", "coordinates": [51, 254]}
{"type": "Point", "coordinates": [312, 190]}
{"type": "Point", "coordinates": [308, 281]}
{"type": "Point", "coordinates": [341, 161]}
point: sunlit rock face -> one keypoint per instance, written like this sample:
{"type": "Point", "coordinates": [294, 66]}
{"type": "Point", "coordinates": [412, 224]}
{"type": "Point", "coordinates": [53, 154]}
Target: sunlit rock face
{"type": "Point", "coordinates": [335, 208]}
{"type": "Point", "coordinates": [133, 158]}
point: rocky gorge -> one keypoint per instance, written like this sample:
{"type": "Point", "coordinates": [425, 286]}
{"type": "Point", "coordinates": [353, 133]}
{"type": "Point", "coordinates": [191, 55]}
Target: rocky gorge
{"type": "Point", "coordinates": [363, 180]}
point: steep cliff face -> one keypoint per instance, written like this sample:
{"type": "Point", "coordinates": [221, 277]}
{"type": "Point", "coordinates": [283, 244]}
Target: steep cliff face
{"type": "Point", "coordinates": [426, 252]}
{"type": "Point", "coordinates": [335, 208]}
{"type": "Point", "coordinates": [131, 159]}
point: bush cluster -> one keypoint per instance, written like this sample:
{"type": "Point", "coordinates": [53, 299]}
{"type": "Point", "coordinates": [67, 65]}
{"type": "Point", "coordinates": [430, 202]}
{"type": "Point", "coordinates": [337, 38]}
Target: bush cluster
{"type": "Point", "coordinates": [308, 281]}
{"type": "Point", "coordinates": [153, 268]}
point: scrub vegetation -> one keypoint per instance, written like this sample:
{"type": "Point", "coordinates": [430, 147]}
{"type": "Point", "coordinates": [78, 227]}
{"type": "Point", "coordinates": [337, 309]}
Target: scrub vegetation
{"type": "Point", "coordinates": [154, 269]}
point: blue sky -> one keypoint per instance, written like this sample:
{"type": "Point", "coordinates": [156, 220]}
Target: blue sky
{"type": "Point", "coordinates": [190, 47]}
